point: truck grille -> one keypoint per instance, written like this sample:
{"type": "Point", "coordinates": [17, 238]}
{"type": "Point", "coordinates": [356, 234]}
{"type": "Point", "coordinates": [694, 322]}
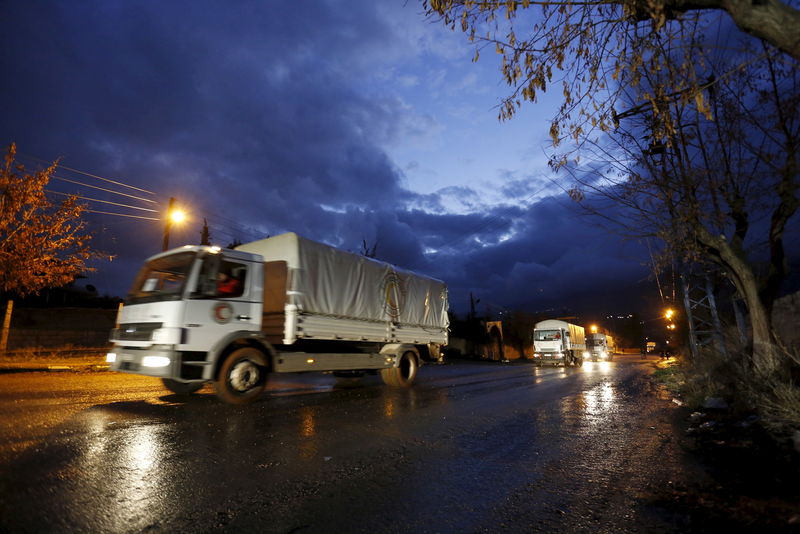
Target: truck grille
{"type": "Point", "coordinates": [129, 366]}
{"type": "Point", "coordinates": [135, 331]}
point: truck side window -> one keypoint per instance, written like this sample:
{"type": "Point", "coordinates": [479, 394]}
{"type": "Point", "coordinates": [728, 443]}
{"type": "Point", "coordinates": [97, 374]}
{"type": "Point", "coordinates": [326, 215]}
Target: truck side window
{"type": "Point", "coordinates": [230, 279]}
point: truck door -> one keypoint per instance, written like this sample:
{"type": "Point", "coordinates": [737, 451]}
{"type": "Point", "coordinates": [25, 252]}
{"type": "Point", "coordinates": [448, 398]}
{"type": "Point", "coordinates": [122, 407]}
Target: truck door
{"type": "Point", "coordinates": [226, 299]}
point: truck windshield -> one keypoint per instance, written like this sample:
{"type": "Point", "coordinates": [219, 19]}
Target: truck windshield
{"type": "Point", "coordinates": [546, 335]}
{"type": "Point", "coordinates": [161, 279]}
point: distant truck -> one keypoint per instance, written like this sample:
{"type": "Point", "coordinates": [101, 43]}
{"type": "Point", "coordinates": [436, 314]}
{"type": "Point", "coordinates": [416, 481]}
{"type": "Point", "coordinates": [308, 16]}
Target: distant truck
{"type": "Point", "coordinates": [600, 346]}
{"type": "Point", "coordinates": [558, 342]}
{"type": "Point", "coordinates": [199, 314]}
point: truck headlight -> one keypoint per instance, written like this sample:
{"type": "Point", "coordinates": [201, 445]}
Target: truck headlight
{"type": "Point", "coordinates": [604, 355]}
{"type": "Point", "coordinates": [165, 336]}
{"type": "Point", "coordinates": [111, 357]}
{"type": "Point", "coordinates": [559, 355]}
{"type": "Point", "coordinates": [586, 354]}
{"type": "Point", "coordinates": [155, 361]}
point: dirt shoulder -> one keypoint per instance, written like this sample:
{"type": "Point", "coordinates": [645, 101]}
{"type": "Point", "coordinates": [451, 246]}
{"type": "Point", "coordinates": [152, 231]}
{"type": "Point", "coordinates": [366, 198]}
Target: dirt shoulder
{"type": "Point", "coordinates": [750, 480]}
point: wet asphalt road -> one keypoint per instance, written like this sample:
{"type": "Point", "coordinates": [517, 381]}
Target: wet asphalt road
{"type": "Point", "coordinates": [473, 447]}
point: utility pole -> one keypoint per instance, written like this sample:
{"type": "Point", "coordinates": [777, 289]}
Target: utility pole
{"type": "Point", "coordinates": [174, 215]}
{"type": "Point", "coordinates": [701, 314]}
{"type": "Point", "coordinates": [168, 222]}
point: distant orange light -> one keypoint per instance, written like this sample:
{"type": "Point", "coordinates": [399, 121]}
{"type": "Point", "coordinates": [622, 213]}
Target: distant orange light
{"type": "Point", "coordinates": [593, 328]}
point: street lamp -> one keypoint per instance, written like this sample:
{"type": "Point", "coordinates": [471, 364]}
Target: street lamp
{"type": "Point", "coordinates": [174, 215]}
{"type": "Point", "coordinates": [593, 328]}
{"type": "Point", "coordinates": [669, 313]}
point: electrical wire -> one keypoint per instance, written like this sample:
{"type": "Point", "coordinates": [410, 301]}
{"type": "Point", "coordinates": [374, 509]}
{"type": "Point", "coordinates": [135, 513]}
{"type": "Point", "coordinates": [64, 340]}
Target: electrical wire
{"type": "Point", "coordinates": [104, 189]}
{"type": "Point", "coordinates": [98, 200]}
{"type": "Point", "coordinates": [124, 215]}
{"type": "Point", "coordinates": [89, 174]}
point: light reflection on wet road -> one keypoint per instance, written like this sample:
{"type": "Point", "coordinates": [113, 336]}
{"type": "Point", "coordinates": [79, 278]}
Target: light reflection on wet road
{"type": "Point", "coordinates": [471, 446]}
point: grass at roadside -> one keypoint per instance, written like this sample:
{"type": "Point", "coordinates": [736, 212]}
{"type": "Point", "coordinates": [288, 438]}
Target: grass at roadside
{"type": "Point", "coordinates": [671, 374]}
{"type": "Point", "coordinates": [53, 354]}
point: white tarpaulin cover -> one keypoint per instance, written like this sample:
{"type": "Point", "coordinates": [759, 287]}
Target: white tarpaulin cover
{"type": "Point", "coordinates": [328, 281]}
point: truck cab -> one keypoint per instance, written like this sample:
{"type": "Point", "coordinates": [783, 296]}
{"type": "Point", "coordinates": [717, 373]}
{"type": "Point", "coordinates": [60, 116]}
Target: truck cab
{"type": "Point", "coordinates": [181, 304]}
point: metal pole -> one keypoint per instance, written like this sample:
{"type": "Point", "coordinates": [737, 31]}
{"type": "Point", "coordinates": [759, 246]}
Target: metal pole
{"type": "Point", "coordinates": [168, 223]}
{"type": "Point", "coordinates": [718, 337]}
{"type": "Point", "coordinates": [688, 307]}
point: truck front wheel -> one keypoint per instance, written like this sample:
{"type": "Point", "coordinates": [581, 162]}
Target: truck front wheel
{"type": "Point", "coordinates": [404, 374]}
{"type": "Point", "coordinates": [181, 388]}
{"type": "Point", "coordinates": [242, 376]}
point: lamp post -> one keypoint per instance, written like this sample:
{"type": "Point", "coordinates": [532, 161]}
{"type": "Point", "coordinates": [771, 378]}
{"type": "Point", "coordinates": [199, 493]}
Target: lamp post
{"type": "Point", "coordinates": [174, 215]}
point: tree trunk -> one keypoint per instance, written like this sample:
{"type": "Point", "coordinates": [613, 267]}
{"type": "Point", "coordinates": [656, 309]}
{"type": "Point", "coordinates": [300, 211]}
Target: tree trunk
{"type": "Point", "coordinates": [766, 356]}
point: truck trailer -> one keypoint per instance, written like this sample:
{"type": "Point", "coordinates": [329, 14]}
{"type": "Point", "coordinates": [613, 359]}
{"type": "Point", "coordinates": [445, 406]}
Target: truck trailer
{"type": "Point", "coordinates": [199, 314]}
{"type": "Point", "coordinates": [557, 342]}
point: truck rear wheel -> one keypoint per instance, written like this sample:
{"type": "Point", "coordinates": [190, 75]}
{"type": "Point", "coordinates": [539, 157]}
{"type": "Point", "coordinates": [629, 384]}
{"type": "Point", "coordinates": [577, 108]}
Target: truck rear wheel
{"type": "Point", "coordinates": [242, 376]}
{"type": "Point", "coordinates": [404, 374]}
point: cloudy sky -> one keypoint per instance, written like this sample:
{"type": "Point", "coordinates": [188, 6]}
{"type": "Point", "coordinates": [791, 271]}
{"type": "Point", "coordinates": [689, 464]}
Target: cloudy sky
{"type": "Point", "coordinates": [343, 121]}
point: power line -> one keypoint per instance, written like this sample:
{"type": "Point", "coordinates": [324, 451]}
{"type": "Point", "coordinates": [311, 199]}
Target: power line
{"type": "Point", "coordinates": [98, 200]}
{"type": "Point", "coordinates": [104, 189]}
{"type": "Point", "coordinates": [124, 215]}
{"type": "Point", "coordinates": [89, 174]}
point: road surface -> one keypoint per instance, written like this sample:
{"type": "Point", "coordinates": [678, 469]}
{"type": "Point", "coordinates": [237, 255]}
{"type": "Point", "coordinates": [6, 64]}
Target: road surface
{"type": "Point", "coordinates": [472, 447]}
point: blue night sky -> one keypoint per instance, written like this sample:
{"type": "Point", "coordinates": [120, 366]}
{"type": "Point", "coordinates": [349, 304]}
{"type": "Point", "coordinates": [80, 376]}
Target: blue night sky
{"type": "Point", "coordinates": [341, 121]}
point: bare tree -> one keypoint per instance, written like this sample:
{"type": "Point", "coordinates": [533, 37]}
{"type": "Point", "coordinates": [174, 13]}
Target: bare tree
{"type": "Point", "coordinates": [705, 188]}
{"type": "Point", "coordinates": [41, 244]}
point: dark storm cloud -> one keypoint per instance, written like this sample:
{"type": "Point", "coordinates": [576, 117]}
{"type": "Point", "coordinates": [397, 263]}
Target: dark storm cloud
{"type": "Point", "coordinates": [556, 256]}
{"type": "Point", "coordinates": [243, 110]}
{"type": "Point", "coordinates": [247, 113]}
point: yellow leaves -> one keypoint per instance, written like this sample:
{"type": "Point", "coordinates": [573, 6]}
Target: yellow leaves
{"type": "Point", "coordinates": [617, 70]}
{"type": "Point", "coordinates": [702, 106]}
{"type": "Point", "coordinates": [576, 194]}
{"type": "Point", "coordinates": [477, 56]}
{"type": "Point", "coordinates": [35, 232]}
{"type": "Point", "coordinates": [498, 48]}
{"type": "Point", "coordinates": [555, 133]}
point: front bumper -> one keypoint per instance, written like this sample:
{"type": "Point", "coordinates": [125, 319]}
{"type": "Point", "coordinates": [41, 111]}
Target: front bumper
{"type": "Point", "coordinates": [147, 361]}
{"type": "Point", "coordinates": [548, 359]}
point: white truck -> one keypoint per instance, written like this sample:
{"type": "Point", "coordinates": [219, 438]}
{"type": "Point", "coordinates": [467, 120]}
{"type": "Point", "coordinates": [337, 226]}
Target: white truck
{"type": "Point", "coordinates": [200, 314]}
{"type": "Point", "coordinates": [600, 346]}
{"type": "Point", "coordinates": [557, 342]}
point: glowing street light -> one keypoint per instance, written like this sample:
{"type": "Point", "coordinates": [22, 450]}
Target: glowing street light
{"type": "Point", "coordinates": [177, 215]}
{"type": "Point", "coordinates": [174, 216]}
{"type": "Point", "coordinates": [593, 328]}
{"type": "Point", "coordinates": [669, 313]}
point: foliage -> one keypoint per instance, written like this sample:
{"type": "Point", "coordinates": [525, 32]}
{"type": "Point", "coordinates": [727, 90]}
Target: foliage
{"type": "Point", "coordinates": [594, 48]}
{"type": "Point", "coordinates": [41, 244]}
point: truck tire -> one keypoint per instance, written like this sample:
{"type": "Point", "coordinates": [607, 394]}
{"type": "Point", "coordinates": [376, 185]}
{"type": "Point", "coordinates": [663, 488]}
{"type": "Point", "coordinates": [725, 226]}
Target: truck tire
{"type": "Point", "coordinates": [181, 388]}
{"type": "Point", "coordinates": [404, 374]}
{"type": "Point", "coordinates": [242, 376]}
